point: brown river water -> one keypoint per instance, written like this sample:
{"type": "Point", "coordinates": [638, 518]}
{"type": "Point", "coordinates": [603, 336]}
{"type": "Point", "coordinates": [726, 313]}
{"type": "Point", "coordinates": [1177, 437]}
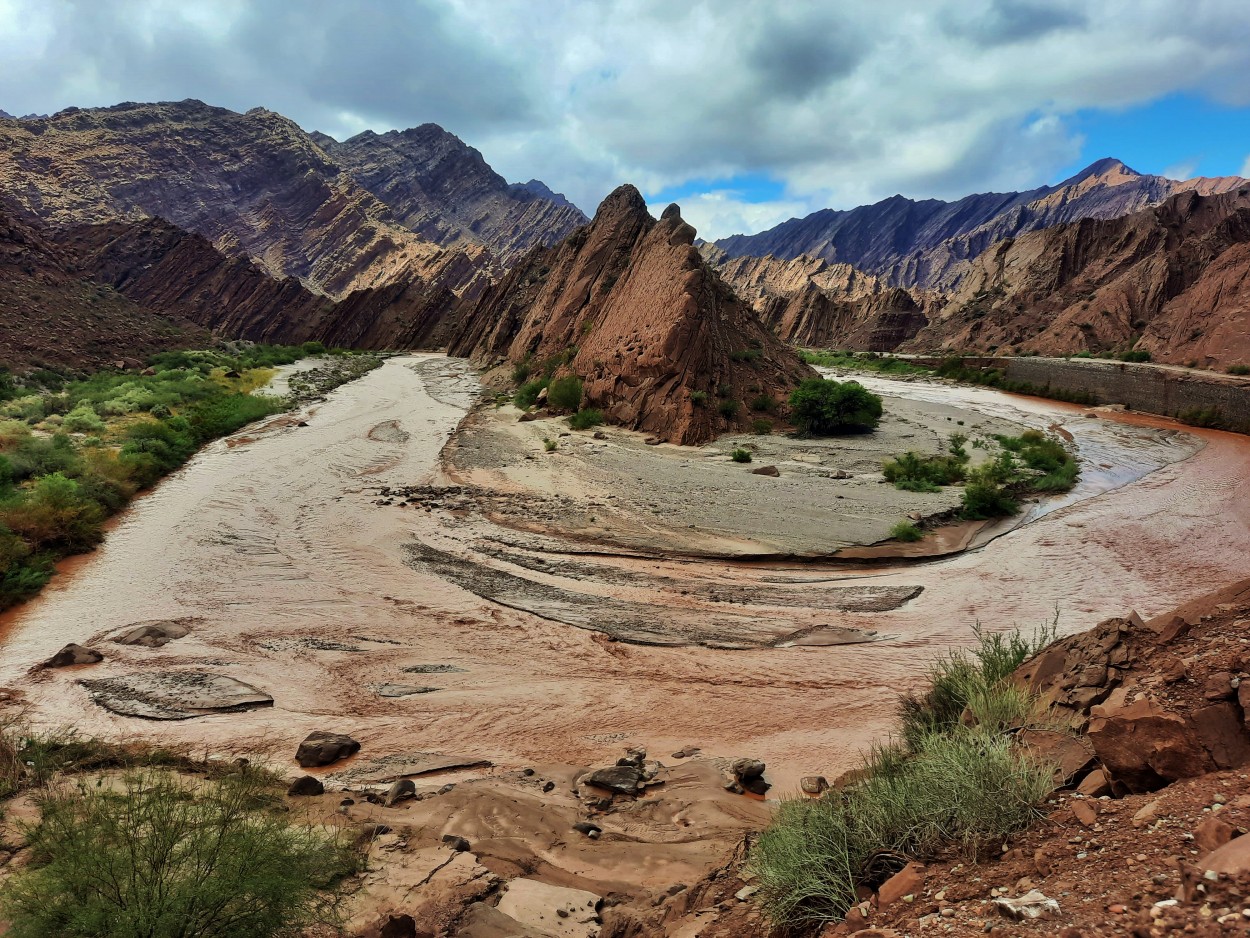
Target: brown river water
{"type": "Point", "coordinates": [295, 580]}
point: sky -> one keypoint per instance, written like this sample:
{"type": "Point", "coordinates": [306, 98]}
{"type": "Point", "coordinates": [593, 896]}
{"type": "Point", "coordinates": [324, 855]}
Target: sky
{"type": "Point", "coordinates": [746, 112]}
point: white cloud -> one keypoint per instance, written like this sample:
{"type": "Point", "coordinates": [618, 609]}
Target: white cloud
{"type": "Point", "coordinates": [1185, 169]}
{"type": "Point", "coordinates": [841, 103]}
{"type": "Point", "coordinates": [1245, 168]}
{"type": "Point", "coordinates": [724, 212]}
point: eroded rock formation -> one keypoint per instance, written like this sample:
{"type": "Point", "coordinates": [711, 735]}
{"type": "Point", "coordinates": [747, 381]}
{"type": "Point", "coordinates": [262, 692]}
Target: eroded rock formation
{"type": "Point", "coordinates": [629, 305]}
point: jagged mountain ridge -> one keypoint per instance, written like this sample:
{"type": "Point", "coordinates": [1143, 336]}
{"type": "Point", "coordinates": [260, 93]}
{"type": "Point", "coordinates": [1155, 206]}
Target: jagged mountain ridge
{"type": "Point", "coordinates": [257, 185]}
{"type": "Point", "coordinates": [927, 243]}
{"type": "Point", "coordinates": [631, 307]}
{"type": "Point", "coordinates": [1173, 280]}
{"type": "Point", "coordinates": [445, 191]}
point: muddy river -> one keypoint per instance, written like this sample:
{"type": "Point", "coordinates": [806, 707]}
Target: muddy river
{"type": "Point", "coordinates": [294, 576]}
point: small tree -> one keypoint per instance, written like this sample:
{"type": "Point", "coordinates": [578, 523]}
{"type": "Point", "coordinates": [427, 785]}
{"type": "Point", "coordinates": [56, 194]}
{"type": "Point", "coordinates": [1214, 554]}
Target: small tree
{"type": "Point", "coordinates": [822, 407]}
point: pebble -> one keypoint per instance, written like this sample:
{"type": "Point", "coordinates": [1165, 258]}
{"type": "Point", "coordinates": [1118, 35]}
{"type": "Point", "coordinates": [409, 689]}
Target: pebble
{"type": "Point", "coordinates": [1116, 909]}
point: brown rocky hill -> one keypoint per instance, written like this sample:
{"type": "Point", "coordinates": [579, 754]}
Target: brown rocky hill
{"type": "Point", "coordinates": [1172, 280]}
{"type": "Point", "coordinates": [51, 317]}
{"type": "Point", "coordinates": [444, 190]}
{"type": "Point", "coordinates": [253, 184]}
{"type": "Point", "coordinates": [926, 243]}
{"type": "Point", "coordinates": [809, 302]}
{"type": "Point", "coordinates": [632, 308]}
{"type": "Point", "coordinates": [164, 268]}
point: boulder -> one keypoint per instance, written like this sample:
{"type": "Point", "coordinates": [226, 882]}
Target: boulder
{"type": "Point", "coordinates": [456, 843]}
{"type": "Point", "coordinates": [320, 748]}
{"type": "Point", "coordinates": [1069, 754]}
{"type": "Point", "coordinates": [152, 634]}
{"type": "Point", "coordinates": [1085, 813]}
{"type": "Point", "coordinates": [1096, 784]}
{"type": "Point", "coordinates": [73, 654]}
{"type": "Point", "coordinates": [748, 775]}
{"type": "Point", "coordinates": [1145, 747]}
{"type": "Point", "coordinates": [305, 786]}
{"type": "Point", "coordinates": [622, 779]}
{"type": "Point", "coordinates": [1222, 731]}
{"type": "Point", "coordinates": [1233, 858]}
{"type": "Point", "coordinates": [1212, 834]}
{"type": "Point", "coordinates": [814, 784]}
{"type": "Point", "coordinates": [766, 471]}
{"type": "Point", "coordinates": [403, 790]}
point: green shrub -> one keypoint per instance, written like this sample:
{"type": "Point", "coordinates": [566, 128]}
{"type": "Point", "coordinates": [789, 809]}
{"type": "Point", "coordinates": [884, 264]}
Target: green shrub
{"type": "Point", "coordinates": [764, 403]}
{"type": "Point", "coordinates": [823, 407]}
{"type": "Point", "coordinates": [565, 394]}
{"type": "Point", "coordinates": [951, 784]}
{"type": "Point", "coordinates": [698, 398]}
{"type": "Point", "coordinates": [520, 372]}
{"type": "Point", "coordinates": [906, 531]}
{"type": "Point", "coordinates": [1201, 417]}
{"type": "Point", "coordinates": [728, 408]}
{"type": "Point", "coordinates": [912, 472]}
{"type": "Point", "coordinates": [549, 445]}
{"type": "Point", "coordinates": [166, 858]}
{"type": "Point", "coordinates": [740, 455]}
{"type": "Point", "coordinates": [585, 419]}
{"type": "Point", "coordinates": [1135, 355]}
{"type": "Point", "coordinates": [984, 500]}
{"type": "Point", "coordinates": [527, 394]}
{"type": "Point", "coordinates": [761, 427]}
{"type": "Point", "coordinates": [1239, 369]}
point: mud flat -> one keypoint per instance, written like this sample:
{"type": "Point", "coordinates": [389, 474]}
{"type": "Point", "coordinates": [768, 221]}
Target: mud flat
{"type": "Point", "coordinates": [321, 564]}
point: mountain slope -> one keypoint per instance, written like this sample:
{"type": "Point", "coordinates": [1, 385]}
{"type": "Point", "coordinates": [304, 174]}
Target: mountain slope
{"type": "Point", "coordinates": [445, 191]}
{"type": "Point", "coordinates": [926, 243]}
{"type": "Point", "coordinates": [253, 184]}
{"type": "Point", "coordinates": [629, 305]}
{"type": "Point", "coordinates": [1172, 280]}
{"type": "Point", "coordinates": [51, 317]}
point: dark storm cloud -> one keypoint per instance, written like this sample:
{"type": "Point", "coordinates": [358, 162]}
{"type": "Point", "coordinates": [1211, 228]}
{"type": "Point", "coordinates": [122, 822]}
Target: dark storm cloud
{"type": "Point", "coordinates": [794, 58]}
{"type": "Point", "coordinates": [1007, 21]}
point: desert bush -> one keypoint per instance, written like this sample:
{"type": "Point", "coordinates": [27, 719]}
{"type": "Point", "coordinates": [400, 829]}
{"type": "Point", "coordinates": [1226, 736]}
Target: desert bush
{"type": "Point", "coordinates": [54, 513]}
{"type": "Point", "coordinates": [527, 394]}
{"type": "Point", "coordinates": [1200, 417]}
{"type": "Point", "coordinates": [167, 858]}
{"type": "Point", "coordinates": [822, 407]}
{"type": "Point", "coordinates": [549, 445]}
{"type": "Point", "coordinates": [906, 531]}
{"type": "Point", "coordinates": [728, 408]}
{"type": "Point", "coordinates": [698, 398]}
{"type": "Point", "coordinates": [764, 403]}
{"type": "Point", "coordinates": [761, 427]}
{"type": "Point", "coordinates": [585, 419]}
{"type": "Point", "coordinates": [565, 394]}
{"type": "Point", "coordinates": [947, 785]}
{"type": "Point", "coordinates": [740, 455]}
{"type": "Point", "coordinates": [521, 372]}
{"type": "Point", "coordinates": [913, 472]}
{"type": "Point", "coordinates": [1239, 369]}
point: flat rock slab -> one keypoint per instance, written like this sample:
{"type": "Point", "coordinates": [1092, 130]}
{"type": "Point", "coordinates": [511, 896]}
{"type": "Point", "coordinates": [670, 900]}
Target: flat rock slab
{"type": "Point", "coordinates": [406, 765]}
{"type": "Point", "coordinates": [174, 695]}
{"type": "Point", "coordinates": [401, 690]}
{"type": "Point", "coordinates": [153, 634]}
{"type": "Point", "coordinates": [552, 910]}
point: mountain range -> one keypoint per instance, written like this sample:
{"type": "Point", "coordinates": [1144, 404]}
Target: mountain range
{"type": "Point", "coordinates": [127, 228]}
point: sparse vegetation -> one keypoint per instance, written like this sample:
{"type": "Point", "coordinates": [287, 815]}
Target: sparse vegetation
{"type": "Point", "coordinates": [907, 532]}
{"type": "Point", "coordinates": [526, 395]}
{"type": "Point", "coordinates": [1239, 369]}
{"type": "Point", "coordinates": [549, 445]}
{"type": "Point", "coordinates": [167, 857]}
{"type": "Point", "coordinates": [728, 408]}
{"type": "Point", "coordinates": [765, 403]}
{"type": "Point", "coordinates": [1201, 417]}
{"type": "Point", "coordinates": [862, 361]}
{"type": "Point", "coordinates": [740, 455]}
{"type": "Point", "coordinates": [565, 394]}
{"type": "Point", "coordinates": [75, 450]}
{"type": "Point", "coordinates": [948, 784]}
{"type": "Point", "coordinates": [761, 427]}
{"type": "Point", "coordinates": [698, 398]}
{"type": "Point", "coordinates": [585, 419]}
{"type": "Point", "coordinates": [822, 408]}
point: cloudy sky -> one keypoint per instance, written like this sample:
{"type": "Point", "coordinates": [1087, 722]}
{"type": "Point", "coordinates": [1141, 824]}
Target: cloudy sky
{"type": "Point", "coordinates": [747, 112]}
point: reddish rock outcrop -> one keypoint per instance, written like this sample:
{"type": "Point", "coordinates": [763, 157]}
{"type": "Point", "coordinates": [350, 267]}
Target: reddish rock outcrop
{"type": "Point", "coordinates": [51, 317]}
{"type": "Point", "coordinates": [629, 305]}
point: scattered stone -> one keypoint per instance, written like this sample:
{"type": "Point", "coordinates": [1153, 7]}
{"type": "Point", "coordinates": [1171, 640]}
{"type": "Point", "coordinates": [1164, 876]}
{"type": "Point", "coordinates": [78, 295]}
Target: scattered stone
{"type": "Point", "coordinates": [320, 748]}
{"type": "Point", "coordinates": [152, 634]}
{"type": "Point", "coordinates": [458, 844]}
{"type": "Point", "coordinates": [1146, 815]}
{"type": "Point", "coordinates": [622, 779]}
{"type": "Point", "coordinates": [1032, 905]}
{"type": "Point", "coordinates": [305, 786]}
{"type": "Point", "coordinates": [73, 654]}
{"type": "Point", "coordinates": [401, 690]}
{"type": "Point", "coordinates": [1085, 813]}
{"type": "Point", "coordinates": [549, 787]}
{"type": "Point", "coordinates": [587, 828]}
{"type": "Point", "coordinates": [174, 695]}
{"type": "Point", "coordinates": [1212, 835]}
{"type": "Point", "coordinates": [747, 775]}
{"type": "Point", "coordinates": [403, 790]}
{"type": "Point", "coordinates": [746, 892]}
{"type": "Point", "coordinates": [766, 471]}
{"type": "Point", "coordinates": [907, 881]}
{"type": "Point", "coordinates": [1096, 784]}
